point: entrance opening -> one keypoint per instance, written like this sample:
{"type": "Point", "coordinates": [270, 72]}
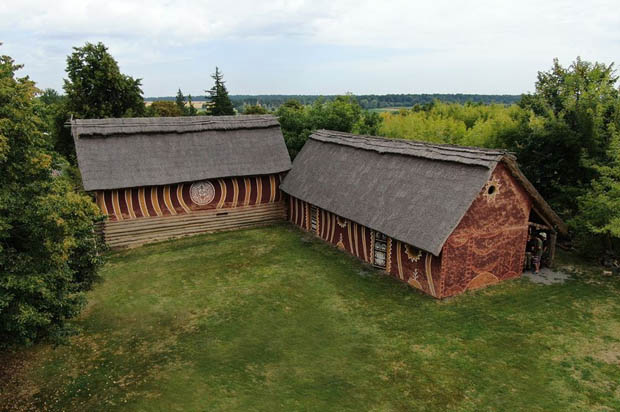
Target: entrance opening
{"type": "Point", "coordinates": [540, 247]}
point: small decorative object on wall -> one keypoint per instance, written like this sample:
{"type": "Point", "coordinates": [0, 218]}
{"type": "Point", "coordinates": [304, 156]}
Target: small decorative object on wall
{"type": "Point", "coordinates": [413, 254]}
{"type": "Point", "coordinates": [341, 221]}
{"type": "Point", "coordinates": [491, 189]}
{"type": "Point", "coordinates": [202, 193]}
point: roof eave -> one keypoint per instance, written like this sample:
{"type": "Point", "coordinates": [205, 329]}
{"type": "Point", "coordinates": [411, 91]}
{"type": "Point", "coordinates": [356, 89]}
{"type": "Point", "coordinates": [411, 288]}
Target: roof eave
{"type": "Point", "coordinates": [539, 202]}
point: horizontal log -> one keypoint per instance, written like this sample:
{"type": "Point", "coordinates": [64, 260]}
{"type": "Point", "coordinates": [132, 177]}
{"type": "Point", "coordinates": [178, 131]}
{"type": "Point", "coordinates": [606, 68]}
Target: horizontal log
{"type": "Point", "coordinates": [200, 225]}
{"type": "Point", "coordinates": [138, 242]}
{"type": "Point", "coordinates": [197, 215]}
{"type": "Point", "coordinates": [135, 232]}
{"type": "Point", "coordinates": [186, 222]}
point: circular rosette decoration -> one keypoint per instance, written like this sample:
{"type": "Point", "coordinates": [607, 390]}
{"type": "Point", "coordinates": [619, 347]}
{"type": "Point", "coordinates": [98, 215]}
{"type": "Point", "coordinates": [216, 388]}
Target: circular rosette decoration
{"type": "Point", "coordinates": [202, 193]}
{"type": "Point", "coordinates": [413, 254]}
{"type": "Point", "coordinates": [342, 222]}
{"type": "Point", "coordinates": [491, 189]}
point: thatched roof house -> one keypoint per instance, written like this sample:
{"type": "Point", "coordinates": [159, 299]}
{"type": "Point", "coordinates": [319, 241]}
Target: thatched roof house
{"type": "Point", "coordinates": [466, 210]}
{"type": "Point", "coordinates": [163, 177]}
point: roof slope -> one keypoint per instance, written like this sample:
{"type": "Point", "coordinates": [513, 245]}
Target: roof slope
{"type": "Point", "coordinates": [132, 152]}
{"type": "Point", "coordinates": [411, 191]}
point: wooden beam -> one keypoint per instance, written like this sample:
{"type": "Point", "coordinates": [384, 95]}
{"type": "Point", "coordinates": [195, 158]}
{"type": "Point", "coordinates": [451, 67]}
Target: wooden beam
{"type": "Point", "coordinates": [135, 232]}
{"type": "Point", "coordinates": [552, 243]}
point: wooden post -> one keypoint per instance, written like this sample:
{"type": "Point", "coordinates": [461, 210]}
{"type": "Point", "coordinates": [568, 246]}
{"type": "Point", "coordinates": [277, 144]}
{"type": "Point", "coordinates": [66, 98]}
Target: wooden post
{"type": "Point", "coordinates": [552, 240]}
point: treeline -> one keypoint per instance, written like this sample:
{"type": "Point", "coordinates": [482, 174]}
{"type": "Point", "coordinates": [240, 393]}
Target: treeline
{"type": "Point", "coordinates": [366, 101]}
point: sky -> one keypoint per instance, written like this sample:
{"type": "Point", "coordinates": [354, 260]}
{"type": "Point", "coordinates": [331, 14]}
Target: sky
{"type": "Point", "coordinates": [315, 47]}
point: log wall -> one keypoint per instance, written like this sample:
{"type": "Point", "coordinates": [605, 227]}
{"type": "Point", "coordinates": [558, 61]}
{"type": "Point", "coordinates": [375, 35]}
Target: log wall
{"type": "Point", "coordinates": [135, 232]}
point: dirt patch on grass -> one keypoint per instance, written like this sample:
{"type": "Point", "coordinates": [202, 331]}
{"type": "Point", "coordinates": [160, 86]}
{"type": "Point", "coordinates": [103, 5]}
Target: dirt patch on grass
{"type": "Point", "coordinates": [17, 390]}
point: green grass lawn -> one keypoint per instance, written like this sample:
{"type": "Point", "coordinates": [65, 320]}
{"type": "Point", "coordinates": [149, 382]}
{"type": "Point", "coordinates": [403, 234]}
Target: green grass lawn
{"type": "Point", "coordinates": [273, 319]}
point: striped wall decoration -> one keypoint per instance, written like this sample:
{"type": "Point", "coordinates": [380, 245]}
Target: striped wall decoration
{"type": "Point", "coordinates": [175, 199]}
{"type": "Point", "coordinates": [358, 240]}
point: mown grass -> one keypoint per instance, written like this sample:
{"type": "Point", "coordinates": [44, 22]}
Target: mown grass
{"type": "Point", "coordinates": [273, 319]}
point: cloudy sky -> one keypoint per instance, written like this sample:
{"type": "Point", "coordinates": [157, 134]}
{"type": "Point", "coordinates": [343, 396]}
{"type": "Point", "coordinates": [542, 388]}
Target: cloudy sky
{"type": "Point", "coordinates": [315, 47]}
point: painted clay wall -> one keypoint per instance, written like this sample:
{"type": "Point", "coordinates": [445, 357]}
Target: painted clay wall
{"type": "Point", "coordinates": [488, 245]}
{"type": "Point", "coordinates": [170, 200]}
{"type": "Point", "coordinates": [404, 262]}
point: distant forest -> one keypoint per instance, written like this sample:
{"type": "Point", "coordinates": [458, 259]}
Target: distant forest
{"type": "Point", "coordinates": [366, 101]}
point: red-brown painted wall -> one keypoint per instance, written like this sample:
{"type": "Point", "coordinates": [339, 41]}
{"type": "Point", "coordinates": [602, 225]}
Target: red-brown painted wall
{"type": "Point", "coordinates": [404, 262]}
{"type": "Point", "coordinates": [167, 200]}
{"type": "Point", "coordinates": [488, 245]}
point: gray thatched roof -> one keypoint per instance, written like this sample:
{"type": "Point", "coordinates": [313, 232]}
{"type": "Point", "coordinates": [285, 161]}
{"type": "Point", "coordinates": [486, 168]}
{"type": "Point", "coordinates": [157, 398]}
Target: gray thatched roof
{"type": "Point", "coordinates": [131, 152]}
{"type": "Point", "coordinates": [411, 191]}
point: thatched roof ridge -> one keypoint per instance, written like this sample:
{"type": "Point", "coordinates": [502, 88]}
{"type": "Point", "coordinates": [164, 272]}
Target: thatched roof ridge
{"type": "Point", "coordinates": [461, 154]}
{"type": "Point", "coordinates": [186, 124]}
{"type": "Point", "coordinates": [414, 192]}
{"type": "Point", "coordinates": [121, 153]}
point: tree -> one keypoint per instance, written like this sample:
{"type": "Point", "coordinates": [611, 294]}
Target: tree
{"type": "Point", "coordinates": [97, 89]}
{"type": "Point", "coordinates": [567, 129]}
{"type": "Point", "coordinates": [342, 113]}
{"type": "Point", "coordinates": [163, 108]}
{"type": "Point", "coordinates": [254, 109]}
{"type": "Point", "coordinates": [180, 102]}
{"type": "Point", "coordinates": [295, 124]}
{"type": "Point", "coordinates": [339, 114]}
{"type": "Point", "coordinates": [218, 96]}
{"type": "Point", "coordinates": [191, 110]}
{"type": "Point", "coordinates": [599, 208]}
{"type": "Point", "coordinates": [48, 249]}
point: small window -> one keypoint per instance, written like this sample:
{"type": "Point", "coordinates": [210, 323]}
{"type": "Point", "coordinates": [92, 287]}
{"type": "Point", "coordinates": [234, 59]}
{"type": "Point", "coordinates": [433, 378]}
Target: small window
{"type": "Point", "coordinates": [314, 218]}
{"type": "Point", "coordinates": [380, 250]}
{"type": "Point", "coordinates": [491, 189]}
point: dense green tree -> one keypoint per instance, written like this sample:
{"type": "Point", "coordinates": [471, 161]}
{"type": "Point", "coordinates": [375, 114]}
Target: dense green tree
{"type": "Point", "coordinates": [51, 108]}
{"type": "Point", "coordinates": [180, 102]}
{"type": "Point", "coordinates": [599, 207]}
{"type": "Point", "coordinates": [218, 96]}
{"type": "Point", "coordinates": [48, 249]}
{"type": "Point", "coordinates": [163, 108]}
{"type": "Point", "coordinates": [573, 115]}
{"type": "Point", "coordinates": [468, 125]}
{"type": "Point", "coordinates": [97, 89]}
{"type": "Point", "coordinates": [296, 125]}
{"type": "Point", "coordinates": [254, 109]}
{"type": "Point", "coordinates": [368, 124]}
{"type": "Point", "coordinates": [341, 114]}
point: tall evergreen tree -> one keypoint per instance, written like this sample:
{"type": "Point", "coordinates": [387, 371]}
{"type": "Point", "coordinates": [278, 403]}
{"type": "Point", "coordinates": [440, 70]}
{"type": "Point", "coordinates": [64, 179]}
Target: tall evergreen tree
{"type": "Point", "coordinates": [180, 102]}
{"type": "Point", "coordinates": [218, 96]}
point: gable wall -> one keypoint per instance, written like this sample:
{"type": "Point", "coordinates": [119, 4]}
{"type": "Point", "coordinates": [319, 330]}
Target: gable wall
{"type": "Point", "coordinates": [488, 245]}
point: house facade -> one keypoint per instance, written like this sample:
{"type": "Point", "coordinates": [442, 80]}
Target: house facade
{"type": "Point", "coordinates": [443, 219]}
{"type": "Point", "coordinates": [157, 178]}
